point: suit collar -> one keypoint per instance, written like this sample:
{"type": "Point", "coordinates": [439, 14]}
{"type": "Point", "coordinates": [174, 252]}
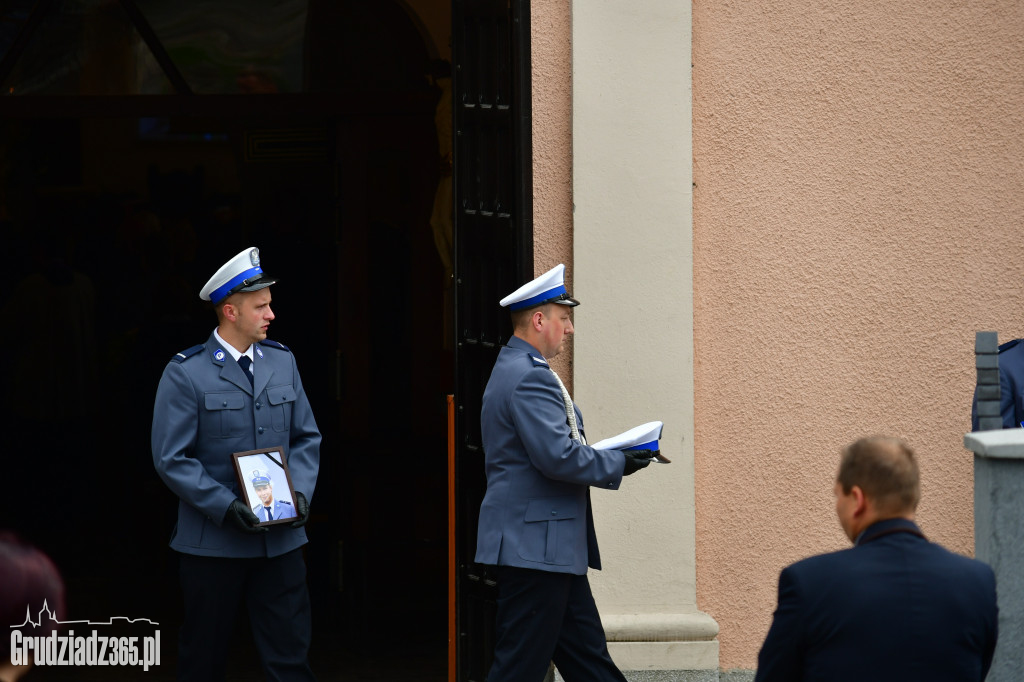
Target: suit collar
{"type": "Point", "coordinates": [887, 527]}
{"type": "Point", "coordinates": [521, 344]}
{"type": "Point", "coordinates": [229, 369]}
{"type": "Point", "coordinates": [264, 370]}
{"type": "Point", "coordinates": [231, 350]}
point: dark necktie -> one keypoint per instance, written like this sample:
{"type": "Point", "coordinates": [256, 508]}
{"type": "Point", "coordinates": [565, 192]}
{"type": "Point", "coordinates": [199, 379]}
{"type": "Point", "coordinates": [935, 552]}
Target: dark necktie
{"type": "Point", "coordinates": [270, 513]}
{"type": "Point", "coordinates": [244, 362]}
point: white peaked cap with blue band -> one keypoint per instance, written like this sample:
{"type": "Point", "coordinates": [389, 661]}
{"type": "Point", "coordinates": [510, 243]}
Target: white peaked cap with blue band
{"type": "Point", "coordinates": [548, 288]}
{"type": "Point", "coordinates": [643, 437]}
{"type": "Point", "coordinates": [241, 273]}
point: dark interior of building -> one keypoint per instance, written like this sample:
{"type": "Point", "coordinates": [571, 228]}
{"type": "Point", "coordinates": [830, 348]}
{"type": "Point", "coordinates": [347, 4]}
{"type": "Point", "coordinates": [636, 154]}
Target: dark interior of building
{"type": "Point", "coordinates": [113, 216]}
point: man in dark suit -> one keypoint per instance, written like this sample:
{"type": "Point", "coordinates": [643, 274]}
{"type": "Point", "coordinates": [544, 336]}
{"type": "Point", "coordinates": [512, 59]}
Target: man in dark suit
{"type": "Point", "coordinates": [536, 524]}
{"type": "Point", "coordinates": [237, 392]}
{"type": "Point", "coordinates": [1011, 387]}
{"type": "Point", "coordinates": [895, 606]}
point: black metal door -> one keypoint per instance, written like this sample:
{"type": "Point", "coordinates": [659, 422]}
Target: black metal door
{"type": "Point", "coordinates": [493, 178]}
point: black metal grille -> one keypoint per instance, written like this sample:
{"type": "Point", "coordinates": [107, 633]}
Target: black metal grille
{"type": "Point", "coordinates": [493, 256]}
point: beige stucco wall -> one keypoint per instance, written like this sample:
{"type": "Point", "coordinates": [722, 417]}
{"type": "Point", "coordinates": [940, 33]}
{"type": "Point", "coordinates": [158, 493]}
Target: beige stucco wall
{"type": "Point", "coordinates": [634, 352]}
{"type": "Point", "coordinates": [857, 216]}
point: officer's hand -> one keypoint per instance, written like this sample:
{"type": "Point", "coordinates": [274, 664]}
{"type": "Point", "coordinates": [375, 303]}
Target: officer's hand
{"type": "Point", "coordinates": [241, 518]}
{"type": "Point", "coordinates": [636, 460]}
{"type": "Point", "coordinates": [302, 509]}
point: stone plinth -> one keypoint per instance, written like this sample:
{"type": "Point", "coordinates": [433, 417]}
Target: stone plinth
{"type": "Point", "coordinates": [999, 537]}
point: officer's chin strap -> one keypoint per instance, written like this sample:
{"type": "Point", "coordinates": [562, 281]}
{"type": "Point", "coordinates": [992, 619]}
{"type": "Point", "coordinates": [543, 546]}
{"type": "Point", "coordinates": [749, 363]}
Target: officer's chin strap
{"type": "Point", "coordinates": [570, 411]}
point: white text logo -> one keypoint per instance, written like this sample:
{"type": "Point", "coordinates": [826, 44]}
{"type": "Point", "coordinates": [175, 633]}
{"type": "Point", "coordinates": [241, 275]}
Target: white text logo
{"type": "Point", "coordinates": [93, 649]}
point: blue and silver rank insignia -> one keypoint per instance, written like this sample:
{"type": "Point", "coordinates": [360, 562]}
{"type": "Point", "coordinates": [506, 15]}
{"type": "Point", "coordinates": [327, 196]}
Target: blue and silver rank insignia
{"type": "Point", "coordinates": [219, 355]}
{"type": "Point", "coordinates": [259, 351]}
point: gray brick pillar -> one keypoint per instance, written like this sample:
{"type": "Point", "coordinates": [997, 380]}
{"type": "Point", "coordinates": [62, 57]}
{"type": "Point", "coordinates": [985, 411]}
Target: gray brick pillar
{"type": "Point", "coordinates": [999, 510]}
{"type": "Point", "coordinates": [986, 361]}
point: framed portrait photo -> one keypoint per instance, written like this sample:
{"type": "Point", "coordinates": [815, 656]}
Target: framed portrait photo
{"type": "Point", "coordinates": [264, 480]}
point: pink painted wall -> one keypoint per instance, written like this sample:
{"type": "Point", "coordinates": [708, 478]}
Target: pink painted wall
{"type": "Point", "coordinates": [552, 134]}
{"type": "Point", "coordinates": [551, 54]}
{"type": "Point", "coordinates": [858, 215]}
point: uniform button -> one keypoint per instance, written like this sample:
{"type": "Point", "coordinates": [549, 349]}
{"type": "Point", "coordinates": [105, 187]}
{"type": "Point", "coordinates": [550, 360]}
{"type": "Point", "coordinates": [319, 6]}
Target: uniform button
{"type": "Point", "coordinates": [259, 405]}
{"type": "Point", "coordinates": [224, 404]}
{"type": "Point", "coordinates": [260, 430]}
{"type": "Point", "coordinates": [554, 513]}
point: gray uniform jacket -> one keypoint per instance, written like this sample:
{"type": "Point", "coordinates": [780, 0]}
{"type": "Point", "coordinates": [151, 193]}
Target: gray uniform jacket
{"type": "Point", "coordinates": [206, 410]}
{"type": "Point", "coordinates": [536, 511]}
{"type": "Point", "coordinates": [279, 510]}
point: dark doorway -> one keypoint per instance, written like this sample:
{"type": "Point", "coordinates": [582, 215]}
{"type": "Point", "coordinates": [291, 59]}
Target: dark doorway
{"type": "Point", "coordinates": [117, 207]}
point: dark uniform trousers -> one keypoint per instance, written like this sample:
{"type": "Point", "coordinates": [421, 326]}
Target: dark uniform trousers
{"type": "Point", "coordinates": [544, 617]}
{"type": "Point", "coordinates": [275, 594]}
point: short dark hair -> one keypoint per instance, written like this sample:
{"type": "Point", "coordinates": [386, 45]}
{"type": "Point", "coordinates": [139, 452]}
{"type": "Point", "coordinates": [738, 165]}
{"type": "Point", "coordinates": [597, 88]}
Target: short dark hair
{"type": "Point", "coordinates": [885, 469]}
{"type": "Point", "coordinates": [520, 318]}
{"type": "Point", "coordinates": [29, 578]}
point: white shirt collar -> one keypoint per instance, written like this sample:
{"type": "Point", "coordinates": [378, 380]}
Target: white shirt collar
{"type": "Point", "coordinates": [235, 353]}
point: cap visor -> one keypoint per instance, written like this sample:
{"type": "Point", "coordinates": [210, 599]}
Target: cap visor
{"type": "Point", "coordinates": [261, 283]}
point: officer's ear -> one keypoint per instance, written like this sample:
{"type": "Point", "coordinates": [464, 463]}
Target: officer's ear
{"type": "Point", "coordinates": [537, 318]}
{"type": "Point", "coordinates": [229, 312]}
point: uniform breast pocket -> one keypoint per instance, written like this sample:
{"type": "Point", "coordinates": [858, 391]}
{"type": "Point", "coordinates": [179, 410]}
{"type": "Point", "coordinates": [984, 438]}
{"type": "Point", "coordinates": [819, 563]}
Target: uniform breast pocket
{"type": "Point", "coordinates": [281, 399]}
{"type": "Point", "coordinates": [549, 532]}
{"type": "Point", "coordinates": [225, 414]}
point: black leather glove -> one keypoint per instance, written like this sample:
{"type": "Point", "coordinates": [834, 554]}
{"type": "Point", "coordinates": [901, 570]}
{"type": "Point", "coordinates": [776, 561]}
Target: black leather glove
{"type": "Point", "coordinates": [302, 509]}
{"type": "Point", "coordinates": [241, 518]}
{"type": "Point", "coordinates": [637, 460]}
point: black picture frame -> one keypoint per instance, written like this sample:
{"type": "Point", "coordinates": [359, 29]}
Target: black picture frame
{"type": "Point", "coordinates": [251, 466]}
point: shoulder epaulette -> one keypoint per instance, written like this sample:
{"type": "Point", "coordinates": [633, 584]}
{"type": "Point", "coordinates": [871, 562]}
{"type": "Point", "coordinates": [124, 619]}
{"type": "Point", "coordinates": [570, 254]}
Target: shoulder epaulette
{"type": "Point", "coordinates": [285, 502]}
{"type": "Point", "coordinates": [186, 354]}
{"type": "Point", "coordinates": [1008, 345]}
{"type": "Point", "coordinates": [275, 344]}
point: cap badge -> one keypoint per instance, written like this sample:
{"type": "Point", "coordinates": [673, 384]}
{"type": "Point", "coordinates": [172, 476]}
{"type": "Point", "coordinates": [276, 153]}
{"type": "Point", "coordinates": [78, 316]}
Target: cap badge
{"type": "Point", "coordinates": [254, 257]}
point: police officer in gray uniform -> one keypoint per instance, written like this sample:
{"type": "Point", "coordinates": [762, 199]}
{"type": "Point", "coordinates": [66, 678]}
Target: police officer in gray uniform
{"type": "Point", "coordinates": [238, 391]}
{"type": "Point", "coordinates": [536, 523]}
{"type": "Point", "coordinates": [269, 508]}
